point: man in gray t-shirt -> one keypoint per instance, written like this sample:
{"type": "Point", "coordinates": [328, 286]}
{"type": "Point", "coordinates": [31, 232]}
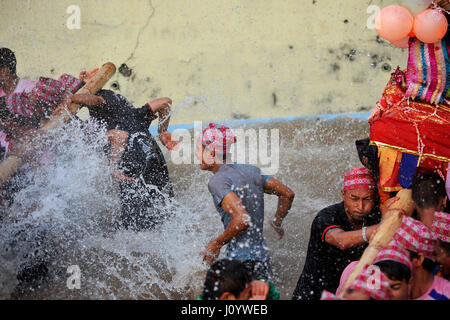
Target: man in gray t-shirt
{"type": "Point", "coordinates": [247, 183]}
{"type": "Point", "coordinates": [238, 195]}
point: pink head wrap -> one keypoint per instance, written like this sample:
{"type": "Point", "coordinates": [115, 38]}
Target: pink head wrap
{"type": "Point", "coordinates": [359, 178]}
{"type": "Point", "coordinates": [441, 226]}
{"type": "Point", "coordinates": [394, 252]}
{"type": "Point", "coordinates": [326, 295]}
{"type": "Point", "coordinates": [372, 282]}
{"type": "Point", "coordinates": [218, 139]}
{"type": "Point", "coordinates": [415, 236]}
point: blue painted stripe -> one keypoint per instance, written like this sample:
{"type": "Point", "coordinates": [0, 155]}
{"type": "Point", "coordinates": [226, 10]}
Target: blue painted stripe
{"type": "Point", "coordinates": [232, 123]}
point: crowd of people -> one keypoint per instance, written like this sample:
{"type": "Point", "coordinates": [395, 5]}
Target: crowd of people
{"type": "Point", "coordinates": [414, 265]}
{"type": "Point", "coordinates": [135, 157]}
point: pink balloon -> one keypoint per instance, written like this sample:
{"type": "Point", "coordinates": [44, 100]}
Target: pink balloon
{"type": "Point", "coordinates": [402, 43]}
{"type": "Point", "coordinates": [394, 23]}
{"type": "Point", "coordinates": [430, 26]}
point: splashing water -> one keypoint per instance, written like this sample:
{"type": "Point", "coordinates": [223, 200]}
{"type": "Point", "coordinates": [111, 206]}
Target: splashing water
{"type": "Point", "coordinates": [64, 216]}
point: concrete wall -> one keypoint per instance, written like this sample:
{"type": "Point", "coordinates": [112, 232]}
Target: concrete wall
{"type": "Point", "coordinates": [218, 59]}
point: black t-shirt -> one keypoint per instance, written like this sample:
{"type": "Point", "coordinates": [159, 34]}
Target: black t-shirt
{"type": "Point", "coordinates": [119, 113]}
{"type": "Point", "coordinates": [324, 262]}
{"type": "Point", "coordinates": [142, 155]}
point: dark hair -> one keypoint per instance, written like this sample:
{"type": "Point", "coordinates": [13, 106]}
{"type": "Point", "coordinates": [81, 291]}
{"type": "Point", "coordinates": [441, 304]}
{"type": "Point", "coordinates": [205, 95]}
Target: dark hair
{"type": "Point", "coordinates": [394, 270]}
{"type": "Point", "coordinates": [225, 275]}
{"type": "Point", "coordinates": [368, 155]}
{"type": "Point", "coordinates": [4, 111]}
{"type": "Point", "coordinates": [428, 188]}
{"type": "Point", "coordinates": [8, 60]}
{"type": "Point", "coordinates": [427, 264]}
{"type": "Point", "coordinates": [445, 246]}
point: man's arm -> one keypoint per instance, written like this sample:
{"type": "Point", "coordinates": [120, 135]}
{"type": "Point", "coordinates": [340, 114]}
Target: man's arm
{"type": "Point", "coordinates": [240, 220]}
{"type": "Point", "coordinates": [90, 100]}
{"type": "Point", "coordinates": [285, 199]}
{"type": "Point", "coordinates": [348, 239]}
{"type": "Point", "coordinates": [162, 107]}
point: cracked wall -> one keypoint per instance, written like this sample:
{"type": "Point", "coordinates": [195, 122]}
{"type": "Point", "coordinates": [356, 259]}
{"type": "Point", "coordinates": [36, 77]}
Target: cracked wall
{"type": "Point", "coordinates": [217, 60]}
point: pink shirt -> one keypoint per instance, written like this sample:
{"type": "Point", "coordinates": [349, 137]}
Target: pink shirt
{"type": "Point", "coordinates": [439, 290]}
{"type": "Point", "coordinates": [24, 85]}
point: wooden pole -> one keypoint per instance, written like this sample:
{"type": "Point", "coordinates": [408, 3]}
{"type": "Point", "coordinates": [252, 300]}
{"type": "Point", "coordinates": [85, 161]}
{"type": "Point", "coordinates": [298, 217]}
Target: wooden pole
{"type": "Point", "coordinates": [11, 164]}
{"type": "Point", "coordinates": [388, 226]}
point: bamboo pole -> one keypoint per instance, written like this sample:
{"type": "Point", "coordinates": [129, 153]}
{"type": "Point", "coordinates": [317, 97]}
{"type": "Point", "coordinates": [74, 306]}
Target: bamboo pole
{"type": "Point", "coordinates": [389, 225]}
{"type": "Point", "coordinates": [12, 163]}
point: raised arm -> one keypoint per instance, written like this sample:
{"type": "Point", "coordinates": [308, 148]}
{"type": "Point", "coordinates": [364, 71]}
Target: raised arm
{"type": "Point", "coordinates": [240, 220]}
{"type": "Point", "coordinates": [161, 106]}
{"type": "Point", "coordinates": [285, 199]}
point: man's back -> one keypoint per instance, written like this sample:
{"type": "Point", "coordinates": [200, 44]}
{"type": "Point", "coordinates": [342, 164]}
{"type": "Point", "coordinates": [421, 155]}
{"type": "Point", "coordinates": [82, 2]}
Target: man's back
{"type": "Point", "coordinates": [247, 183]}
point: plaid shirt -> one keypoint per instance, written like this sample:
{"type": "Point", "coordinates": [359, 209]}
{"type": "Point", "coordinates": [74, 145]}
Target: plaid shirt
{"type": "Point", "coordinates": [51, 92]}
{"type": "Point", "coordinates": [19, 104]}
{"type": "Point", "coordinates": [47, 91]}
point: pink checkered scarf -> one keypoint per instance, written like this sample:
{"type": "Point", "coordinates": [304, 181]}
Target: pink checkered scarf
{"type": "Point", "coordinates": [218, 138]}
{"type": "Point", "coordinates": [372, 282]}
{"type": "Point", "coordinates": [394, 252]}
{"type": "Point", "coordinates": [47, 91]}
{"type": "Point", "coordinates": [359, 178]}
{"type": "Point", "coordinates": [441, 226]}
{"type": "Point", "coordinates": [326, 295]}
{"type": "Point", "coordinates": [415, 236]}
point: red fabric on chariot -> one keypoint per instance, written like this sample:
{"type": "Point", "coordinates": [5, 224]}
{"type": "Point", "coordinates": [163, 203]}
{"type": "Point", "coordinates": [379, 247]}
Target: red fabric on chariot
{"type": "Point", "coordinates": [410, 126]}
